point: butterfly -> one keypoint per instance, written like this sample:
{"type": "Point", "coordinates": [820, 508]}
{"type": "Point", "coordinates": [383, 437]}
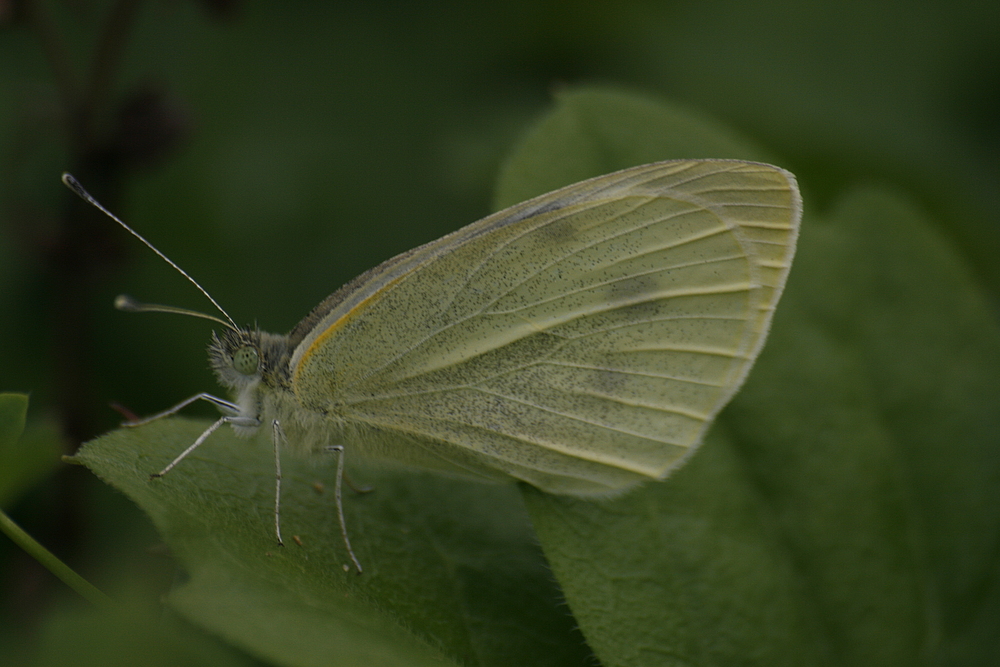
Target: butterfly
{"type": "Point", "coordinates": [582, 341]}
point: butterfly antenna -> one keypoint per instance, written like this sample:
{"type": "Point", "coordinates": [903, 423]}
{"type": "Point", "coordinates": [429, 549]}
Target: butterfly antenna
{"type": "Point", "coordinates": [126, 303]}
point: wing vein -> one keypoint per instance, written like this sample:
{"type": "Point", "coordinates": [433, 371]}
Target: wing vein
{"type": "Point", "coordinates": [469, 276]}
{"type": "Point", "coordinates": [550, 446]}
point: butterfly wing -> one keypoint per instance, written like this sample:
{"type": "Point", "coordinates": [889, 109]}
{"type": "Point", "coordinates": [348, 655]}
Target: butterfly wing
{"type": "Point", "coordinates": [581, 341]}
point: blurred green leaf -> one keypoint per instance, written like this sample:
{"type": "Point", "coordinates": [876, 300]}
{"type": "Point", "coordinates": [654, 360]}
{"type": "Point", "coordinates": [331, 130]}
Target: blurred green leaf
{"type": "Point", "coordinates": [13, 411]}
{"type": "Point", "coordinates": [128, 637]}
{"type": "Point", "coordinates": [596, 130]}
{"type": "Point", "coordinates": [843, 510]}
{"type": "Point", "coordinates": [27, 454]}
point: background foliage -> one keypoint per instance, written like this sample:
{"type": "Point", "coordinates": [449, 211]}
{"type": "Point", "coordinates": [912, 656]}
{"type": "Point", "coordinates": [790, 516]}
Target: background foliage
{"type": "Point", "coordinates": [275, 150]}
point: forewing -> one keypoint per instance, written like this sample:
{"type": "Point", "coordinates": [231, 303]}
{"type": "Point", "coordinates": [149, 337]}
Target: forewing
{"type": "Point", "coordinates": [580, 341]}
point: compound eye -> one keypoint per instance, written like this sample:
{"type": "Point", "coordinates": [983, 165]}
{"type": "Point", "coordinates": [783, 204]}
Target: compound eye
{"type": "Point", "coordinates": [246, 360]}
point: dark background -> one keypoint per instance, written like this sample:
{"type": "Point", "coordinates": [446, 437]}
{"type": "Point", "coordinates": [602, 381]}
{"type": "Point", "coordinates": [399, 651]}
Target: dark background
{"type": "Point", "coordinates": [276, 150]}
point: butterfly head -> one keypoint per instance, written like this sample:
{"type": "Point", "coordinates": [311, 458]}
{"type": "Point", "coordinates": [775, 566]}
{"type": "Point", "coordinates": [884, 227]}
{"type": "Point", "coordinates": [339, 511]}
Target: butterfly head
{"type": "Point", "coordinates": [243, 358]}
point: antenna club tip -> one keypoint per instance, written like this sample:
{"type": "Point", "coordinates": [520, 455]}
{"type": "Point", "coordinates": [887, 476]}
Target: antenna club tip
{"type": "Point", "coordinates": [126, 303]}
{"type": "Point", "coordinates": [70, 181]}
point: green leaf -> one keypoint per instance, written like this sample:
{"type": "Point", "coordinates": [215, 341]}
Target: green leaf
{"type": "Point", "coordinates": [27, 454]}
{"type": "Point", "coordinates": [13, 411]}
{"type": "Point", "coordinates": [843, 510]}
{"type": "Point", "coordinates": [23, 461]}
{"type": "Point", "coordinates": [594, 131]}
{"type": "Point", "coordinates": [125, 637]}
{"type": "Point", "coordinates": [452, 571]}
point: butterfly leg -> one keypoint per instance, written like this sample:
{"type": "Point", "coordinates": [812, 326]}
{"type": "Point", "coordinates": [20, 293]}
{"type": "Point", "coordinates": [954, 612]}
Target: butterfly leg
{"type": "Point", "coordinates": [339, 449]}
{"type": "Point", "coordinates": [223, 405]}
{"type": "Point", "coordinates": [277, 435]}
{"type": "Point", "coordinates": [193, 446]}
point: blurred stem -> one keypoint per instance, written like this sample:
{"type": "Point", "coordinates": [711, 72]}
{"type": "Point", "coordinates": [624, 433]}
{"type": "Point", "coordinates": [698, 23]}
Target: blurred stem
{"type": "Point", "coordinates": [84, 107]}
{"type": "Point", "coordinates": [108, 58]}
{"type": "Point", "coordinates": [53, 564]}
{"type": "Point", "coordinates": [55, 52]}
{"type": "Point", "coordinates": [80, 250]}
